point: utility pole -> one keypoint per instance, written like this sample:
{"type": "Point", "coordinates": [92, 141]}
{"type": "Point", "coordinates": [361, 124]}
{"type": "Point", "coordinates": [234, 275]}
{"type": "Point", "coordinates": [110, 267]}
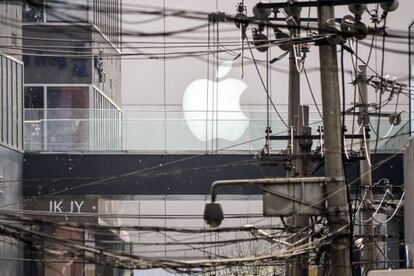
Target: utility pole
{"type": "Point", "coordinates": [338, 212]}
{"type": "Point", "coordinates": [295, 267]}
{"type": "Point", "coordinates": [297, 119]}
{"type": "Point", "coordinates": [368, 252]}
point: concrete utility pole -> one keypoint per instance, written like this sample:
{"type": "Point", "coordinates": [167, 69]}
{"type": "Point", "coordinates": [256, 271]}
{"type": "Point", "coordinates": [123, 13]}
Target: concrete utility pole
{"type": "Point", "coordinates": [368, 252]}
{"type": "Point", "coordinates": [338, 212]}
{"type": "Point", "coordinates": [297, 118]}
{"type": "Point", "coordinates": [295, 267]}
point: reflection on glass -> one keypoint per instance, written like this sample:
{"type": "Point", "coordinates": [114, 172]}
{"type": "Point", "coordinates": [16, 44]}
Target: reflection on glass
{"type": "Point", "coordinates": [67, 11]}
{"type": "Point", "coordinates": [33, 11]}
{"type": "Point", "coordinates": [67, 117]}
{"type": "Point", "coordinates": [33, 97]}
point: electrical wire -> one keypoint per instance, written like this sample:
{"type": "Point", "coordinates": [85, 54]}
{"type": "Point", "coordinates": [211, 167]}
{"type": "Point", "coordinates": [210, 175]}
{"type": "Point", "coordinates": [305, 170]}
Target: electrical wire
{"type": "Point", "coordinates": [381, 84]}
{"type": "Point", "coordinates": [344, 149]}
{"type": "Point", "coordinates": [311, 92]}
{"type": "Point", "coordinates": [259, 74]}
{"type": "Point", "coordinates": [264, 85]}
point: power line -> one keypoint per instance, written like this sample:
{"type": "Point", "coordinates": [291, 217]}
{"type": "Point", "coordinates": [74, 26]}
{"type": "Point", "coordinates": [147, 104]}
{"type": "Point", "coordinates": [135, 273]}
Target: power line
{"type": "Point", "coordinates": [264, 85]}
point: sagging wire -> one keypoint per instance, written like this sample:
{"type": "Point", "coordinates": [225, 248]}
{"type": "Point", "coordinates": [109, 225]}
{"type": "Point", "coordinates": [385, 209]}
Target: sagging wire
{"type": "Point", "coordinates": [381, 87]}
{"type": "Point", "coordinates": [378, 208]}
{"type": "Point", "coordinates": [395, 211]}
{"type": "Point", "coordinates": [343, 105]}
{"type": "Point", "coordinates": [362, 201]}
{"type": "Point", "coordinates": [382, 76]}
{"type": "Point", "coordinates": [264, 85]}
{"type": "Point", "coordinates": [345, 148]}
{"type": "Point", "coordinates": [311, 92]}
{"type": "Point", "coordinates": [389, 131]}
{"type": "Point", "coordinates": [396, 117]}
{"type": "Point", "coordinates": [297, 48]}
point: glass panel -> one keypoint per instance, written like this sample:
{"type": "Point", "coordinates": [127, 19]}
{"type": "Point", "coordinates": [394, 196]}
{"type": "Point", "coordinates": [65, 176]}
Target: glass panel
{"type": "Point", "coordinates": [67, 11]}
{"type": "Point", "coordinates": [67, 97]}
{"type": "Point", "coordinates": [19, 82]}
{"type": "Point", "coordinates": [33, 97]}
{"type": "Point", "coordinates": [67, 118]}
{"type": "Point", "coordinates": [14, 92]}
{"type": "Point", "coordinates": [4, 99]}
{"type": "Point", "coordinates": [170, 131]}
{"type": "Point", "coordinates": [9, 103]}
{"type": "Point", "coordinates": [34, 118]}
{"type": "Point", "coordinates": [33, 11]}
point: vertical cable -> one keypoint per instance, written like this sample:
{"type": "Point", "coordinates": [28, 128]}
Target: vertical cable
{"type": "Point", "coordinates": [348, 194]}
{"type": "Point", "coordinates": [217, 81]}
{"type": "Point", "coordinates": [213, 93]}
{"type": "Point", "coordinates": [355, 90]}
{"type": "Point", "coordinates": [164, 80]}
{"type": "Point", "coordinates": [208, 82]}
{"type": "Point", "coordinates": [267, 98]}
{"type": "Point", "coordinates": [381, 84]}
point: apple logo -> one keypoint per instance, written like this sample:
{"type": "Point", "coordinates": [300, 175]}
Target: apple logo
{"type": "Point", "coordinates": [212, 110]}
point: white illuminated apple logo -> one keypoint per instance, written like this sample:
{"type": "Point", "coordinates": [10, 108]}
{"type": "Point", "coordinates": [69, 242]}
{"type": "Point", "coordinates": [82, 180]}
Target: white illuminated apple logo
{"type": "Point", "coordinates": [213, 109]}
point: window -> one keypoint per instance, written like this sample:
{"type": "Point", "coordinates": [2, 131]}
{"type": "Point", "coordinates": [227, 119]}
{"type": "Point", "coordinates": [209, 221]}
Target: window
{"type": "Point", "coordinates": [11, 105]}
{"type": "Point", "coordinates": [19, 106]}
{"type": "Point", "coordinates": [67, 97]}
{"type": "Point", "coordinates": [67, 118]}
{"type": "Point", "coordinates": [67, 11]}
{"type": "Point", "coordinates": [4, 99]}
{"type": "Point", "coordinates": [34, 103]}
{"type": "Point", "coordinates": [33, 97]}
{"type": "Point", "coordinates": [9, 102]}
{"type": "Point", "coordinates": [33, 11]}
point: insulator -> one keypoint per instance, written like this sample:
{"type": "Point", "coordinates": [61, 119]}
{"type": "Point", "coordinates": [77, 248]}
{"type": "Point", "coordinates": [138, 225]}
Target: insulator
{"type": "Point", "coordinates": [357, 9]}
{"type": "Point", "coordinates": [260, 41]}
{"type": "Point", "coordinates": [261, 14]}
{"type": "Point", "coordinates": [292, 11]}
{"type": "Point", "coordinates": [390, 6]}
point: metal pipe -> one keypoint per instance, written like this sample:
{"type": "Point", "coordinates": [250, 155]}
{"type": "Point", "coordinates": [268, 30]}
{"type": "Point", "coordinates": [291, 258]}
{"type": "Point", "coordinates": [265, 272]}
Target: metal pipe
{"type": "Point", "coordinates": [265, 181]}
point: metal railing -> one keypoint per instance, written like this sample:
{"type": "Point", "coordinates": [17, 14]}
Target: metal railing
{"type": "Point", "coordinates": [154, 131]}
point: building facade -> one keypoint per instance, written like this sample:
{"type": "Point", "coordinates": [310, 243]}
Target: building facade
{"type": "Point", "coordinates": [11, 127]}
{"type": "Point", "coordinates": [72, 97]}
{"type": "Point", "coordinates": [72, 75]}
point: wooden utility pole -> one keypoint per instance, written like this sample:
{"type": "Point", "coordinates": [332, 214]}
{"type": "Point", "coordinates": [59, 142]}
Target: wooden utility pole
{"type": "Point", "coordinates": [338, 212]}
{"type": "Point", "coordinates": [368, 252]}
